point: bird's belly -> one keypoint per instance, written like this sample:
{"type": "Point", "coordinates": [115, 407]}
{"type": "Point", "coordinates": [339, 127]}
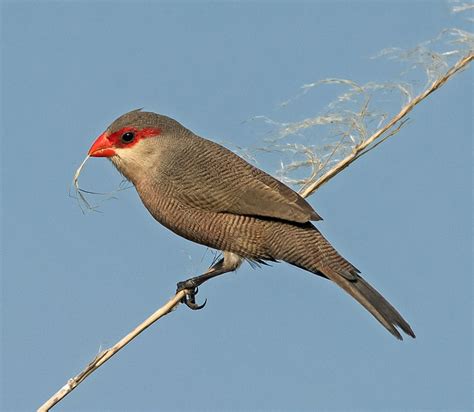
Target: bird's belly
{"type": "Point", "coordinates": [222, 231]}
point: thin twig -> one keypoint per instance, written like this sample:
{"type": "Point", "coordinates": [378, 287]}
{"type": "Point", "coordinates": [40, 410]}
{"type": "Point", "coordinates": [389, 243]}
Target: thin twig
{"type": "Point", "coordinates": [364, 147]}
{"type": "Point", "coordinates": [105, 355]}
{"type": "Point", "coordinates": [360, 150]}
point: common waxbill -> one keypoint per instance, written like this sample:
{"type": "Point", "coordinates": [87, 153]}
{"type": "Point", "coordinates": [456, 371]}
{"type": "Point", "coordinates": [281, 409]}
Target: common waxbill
{"type": "Point", "coordinates": [205, 193]}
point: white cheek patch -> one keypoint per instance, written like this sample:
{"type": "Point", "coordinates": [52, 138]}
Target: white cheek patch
{"type": "Point", "coordinates": [136, 161]}
{"type": "Point", "coordinates": [140, 153]}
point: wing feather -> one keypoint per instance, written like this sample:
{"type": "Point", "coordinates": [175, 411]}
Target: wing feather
{"type": "Point", "coordinates": [224, 182]}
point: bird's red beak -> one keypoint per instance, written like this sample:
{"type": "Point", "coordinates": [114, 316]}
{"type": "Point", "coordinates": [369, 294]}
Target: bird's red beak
{"type": "Point", "coordinates": [102, 147]}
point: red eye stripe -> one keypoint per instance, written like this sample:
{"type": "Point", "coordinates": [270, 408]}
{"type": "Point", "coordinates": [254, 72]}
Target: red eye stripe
{"type": "Point", "coordinates": [115, 138]}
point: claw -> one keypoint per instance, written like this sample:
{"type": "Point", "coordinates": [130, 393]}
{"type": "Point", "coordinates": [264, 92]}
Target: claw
{"type": "Point", "coordinates": [191, 292]}
{"type": "Point", "coordinates": [191, 304]}
{"type": "Point", "coordinates": [190, 300]}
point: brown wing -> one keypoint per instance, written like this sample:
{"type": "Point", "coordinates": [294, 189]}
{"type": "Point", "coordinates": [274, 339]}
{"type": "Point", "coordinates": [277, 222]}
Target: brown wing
{"type": "Point", "coordinates": [217, 179]}
{"type": "Point", "coordinates": [267, 196]}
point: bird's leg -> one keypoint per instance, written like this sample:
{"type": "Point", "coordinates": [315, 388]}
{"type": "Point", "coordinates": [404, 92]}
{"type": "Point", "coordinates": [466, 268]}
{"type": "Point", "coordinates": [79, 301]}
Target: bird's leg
{"type": "Point", "coordinates": [192, 284]}
{"type": "Point", "coordinates": [228, 263]}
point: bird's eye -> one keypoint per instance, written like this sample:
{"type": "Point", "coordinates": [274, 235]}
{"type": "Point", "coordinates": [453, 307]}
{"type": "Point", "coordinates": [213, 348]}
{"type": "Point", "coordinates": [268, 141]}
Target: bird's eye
{"type": "Point", "coordinates": [128, 137]}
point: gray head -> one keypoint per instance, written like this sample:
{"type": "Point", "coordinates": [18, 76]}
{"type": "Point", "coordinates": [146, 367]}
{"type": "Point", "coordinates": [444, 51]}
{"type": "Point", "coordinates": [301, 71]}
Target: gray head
{"type": "Point", "coordinates": [135, 140]}
{"type": "Point", "coordinates": [143, 120]}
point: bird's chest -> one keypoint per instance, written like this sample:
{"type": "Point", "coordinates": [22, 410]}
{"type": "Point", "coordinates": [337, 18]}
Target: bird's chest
{"type": "Point", "coordinates": [164, 203]}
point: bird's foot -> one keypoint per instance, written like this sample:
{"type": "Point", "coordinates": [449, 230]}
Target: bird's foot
{"type": "Point", "coordinates": [191, 291]}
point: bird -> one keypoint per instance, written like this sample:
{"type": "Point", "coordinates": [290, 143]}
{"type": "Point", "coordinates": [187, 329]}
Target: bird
{"type": "Point", "coordinates": [207, 194]}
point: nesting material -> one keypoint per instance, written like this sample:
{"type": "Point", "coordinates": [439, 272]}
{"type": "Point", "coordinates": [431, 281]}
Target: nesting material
{"type": "Point", "coordinates": [83, 203]}
{"type": "Point", "coordinates": [80, 194]}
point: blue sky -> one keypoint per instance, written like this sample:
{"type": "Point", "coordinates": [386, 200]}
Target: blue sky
{"type": "Point", "coordinates": [276, 338]}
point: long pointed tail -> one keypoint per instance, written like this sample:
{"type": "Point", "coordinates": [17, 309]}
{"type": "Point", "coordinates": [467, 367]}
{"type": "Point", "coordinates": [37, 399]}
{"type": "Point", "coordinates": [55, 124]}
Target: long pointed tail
{"type": "Point", "coordinates": [307, 248]}
{"type": "Point", "coordinates": [372, 300]}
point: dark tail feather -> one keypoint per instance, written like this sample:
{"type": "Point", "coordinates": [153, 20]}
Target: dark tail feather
{"type": "Point", "coordinates": [304, 246]}
{"type": "Point", "coordinates": [373, 301]}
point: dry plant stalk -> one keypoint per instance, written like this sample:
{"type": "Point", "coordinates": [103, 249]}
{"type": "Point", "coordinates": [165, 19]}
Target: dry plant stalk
{"type": "Point", "coordinates": [364, 147]}
{"type": "Point", "coordinates": [105, 355]}
{"type": "Point", "coordinates": [391, 128]}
